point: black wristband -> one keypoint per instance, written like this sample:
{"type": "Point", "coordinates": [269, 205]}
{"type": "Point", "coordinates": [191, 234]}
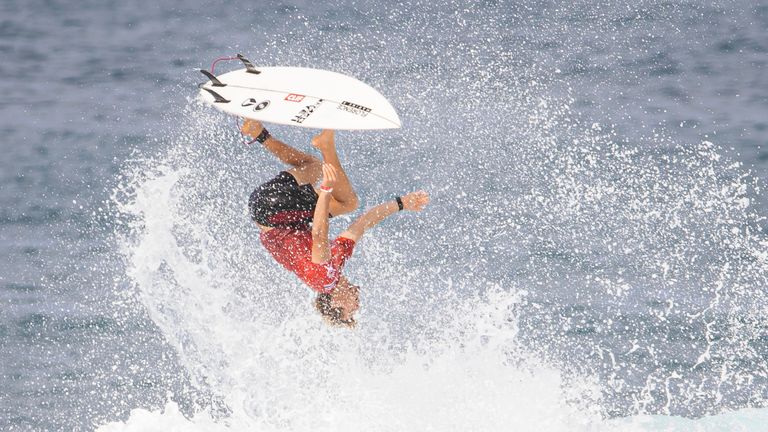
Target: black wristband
{"type": "Point", "coordinates": [263, 136]}
{"type": "Point", "coordinates": [399, 203]}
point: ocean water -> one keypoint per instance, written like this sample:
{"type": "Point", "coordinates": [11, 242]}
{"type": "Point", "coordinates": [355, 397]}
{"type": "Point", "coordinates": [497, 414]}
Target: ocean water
{"type": "Point", "coordinates": [595, 256]}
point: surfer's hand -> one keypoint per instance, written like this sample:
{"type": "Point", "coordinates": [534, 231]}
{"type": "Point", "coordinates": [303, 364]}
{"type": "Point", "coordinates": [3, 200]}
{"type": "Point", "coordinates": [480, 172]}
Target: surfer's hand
{"type": "Point", "coordinates": [252, 127]}
{"type": "Point", "coordinates": [329, 176]}
{"type": "Point", "coordinates": [415, 201]}
{"type": "Point", "coordinates": [324, 140]}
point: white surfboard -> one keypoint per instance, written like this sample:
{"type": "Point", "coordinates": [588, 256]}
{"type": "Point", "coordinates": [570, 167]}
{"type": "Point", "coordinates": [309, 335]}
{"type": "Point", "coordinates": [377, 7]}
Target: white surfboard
{"type": "Point", "coordinates": [303, 97]}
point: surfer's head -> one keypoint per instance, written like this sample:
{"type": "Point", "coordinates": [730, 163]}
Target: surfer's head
{"type": "Point", "coordinates": [339, 306]}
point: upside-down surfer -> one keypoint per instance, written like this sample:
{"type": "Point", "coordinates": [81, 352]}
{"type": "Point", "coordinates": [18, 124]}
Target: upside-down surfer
{"type": "Point", "coordinates": [294, 217]}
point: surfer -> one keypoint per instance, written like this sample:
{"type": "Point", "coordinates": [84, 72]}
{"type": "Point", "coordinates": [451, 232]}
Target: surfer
{"type": "Point", "coordinates": [294, 219]}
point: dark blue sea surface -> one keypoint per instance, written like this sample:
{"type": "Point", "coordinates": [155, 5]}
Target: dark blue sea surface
{"type": "Point", "coordinates": [603, 162]}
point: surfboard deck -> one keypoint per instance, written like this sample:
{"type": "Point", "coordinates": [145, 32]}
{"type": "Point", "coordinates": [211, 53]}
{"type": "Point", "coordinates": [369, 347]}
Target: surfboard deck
{"type": "Point", "coordinates": [303, 97]}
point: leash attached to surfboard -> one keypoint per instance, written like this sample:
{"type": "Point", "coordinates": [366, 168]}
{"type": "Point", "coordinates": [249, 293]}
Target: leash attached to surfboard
{"type": "Point", "coordinates": [295, 96]}
{"type": "Point", "coordinates": [216, 83]}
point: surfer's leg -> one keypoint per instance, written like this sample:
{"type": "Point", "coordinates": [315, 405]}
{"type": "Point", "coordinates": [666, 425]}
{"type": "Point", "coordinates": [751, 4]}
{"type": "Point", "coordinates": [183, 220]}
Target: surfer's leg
{"type": "Point", "coordinates": [309, 173]}
{"type": "Point", "coordinates": [281, 150]}
{"type": "Point", "coordinates": [344, 198]}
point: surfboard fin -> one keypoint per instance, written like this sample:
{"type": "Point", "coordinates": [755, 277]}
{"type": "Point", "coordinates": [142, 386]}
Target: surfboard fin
{"type": "Point", "coordinates": [248, 65]}
{"type": "Point", "coordinates": [214, 81]}
{"type": "Point", "coordinates": [217, 98]}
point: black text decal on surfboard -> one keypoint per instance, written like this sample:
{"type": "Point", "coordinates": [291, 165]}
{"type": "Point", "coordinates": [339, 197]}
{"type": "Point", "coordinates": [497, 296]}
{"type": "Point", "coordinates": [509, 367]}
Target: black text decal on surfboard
{"type": "Point", "coordinates": [258, 105]}
{"type": "Point", "coordinates": [306, 112]}
{"type": "Point", "coordinates": [354, 108]}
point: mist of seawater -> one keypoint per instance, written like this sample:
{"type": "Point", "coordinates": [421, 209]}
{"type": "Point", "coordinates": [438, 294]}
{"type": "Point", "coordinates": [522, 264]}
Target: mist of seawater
{"type": "Point", "coordinates": [248, 333]}
{"type": "Point", "coordinates": [561, 275]}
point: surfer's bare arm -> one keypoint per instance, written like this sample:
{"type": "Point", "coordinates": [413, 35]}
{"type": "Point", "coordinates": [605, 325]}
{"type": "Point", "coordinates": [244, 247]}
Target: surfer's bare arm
{"type": "Point", "coordinates": [321, 251]}
{"type": "Point", "coordinates": [281, 150]}
{"type": "Point", "coordinates": [344, 198]}
{"type": "Point", "coordinates": [414, 201]}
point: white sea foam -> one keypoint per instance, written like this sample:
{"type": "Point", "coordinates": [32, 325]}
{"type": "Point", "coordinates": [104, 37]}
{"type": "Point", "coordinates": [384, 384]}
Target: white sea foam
{"type": "Point", "coordinates": [637, 257]}
{"type": "Point", "coordinates": [465, 372]}
{"type": "Point", "coordinates": [293, 373]}
{"type": "Point", "coordinates": [170, 419]}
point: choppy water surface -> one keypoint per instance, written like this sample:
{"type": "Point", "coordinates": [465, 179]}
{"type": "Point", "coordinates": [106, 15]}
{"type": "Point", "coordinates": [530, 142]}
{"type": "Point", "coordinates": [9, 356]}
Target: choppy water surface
{"type": "Point", "coordinates": [595, 257]}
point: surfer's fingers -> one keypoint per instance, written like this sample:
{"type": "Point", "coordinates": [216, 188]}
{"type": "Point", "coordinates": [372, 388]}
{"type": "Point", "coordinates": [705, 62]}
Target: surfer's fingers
{"type": "Point", "coordinates": [329, 172]}
{"type": "Point", "coordinates": [415, 201]}
{"type": "Point", "coordinates": [332, 173]}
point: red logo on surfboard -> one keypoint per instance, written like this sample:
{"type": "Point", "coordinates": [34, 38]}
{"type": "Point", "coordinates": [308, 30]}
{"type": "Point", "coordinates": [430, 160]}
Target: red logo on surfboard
{"type": "Point", "coordinates": [294, 97]}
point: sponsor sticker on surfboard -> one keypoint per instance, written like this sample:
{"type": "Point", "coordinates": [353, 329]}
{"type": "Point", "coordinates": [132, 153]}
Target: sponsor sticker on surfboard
{"type": "Point", "coordinates": [293, 97]}
{"type": "Point", "coordinates": [354, 108]}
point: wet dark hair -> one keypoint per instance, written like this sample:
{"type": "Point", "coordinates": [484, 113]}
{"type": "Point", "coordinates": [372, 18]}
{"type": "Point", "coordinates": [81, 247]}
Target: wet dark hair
{"type": "Point", "coordinates": [331, 315]}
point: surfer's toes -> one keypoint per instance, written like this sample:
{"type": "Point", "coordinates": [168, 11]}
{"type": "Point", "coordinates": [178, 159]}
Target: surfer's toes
{"type": "Point", "coordinates": [251, 127]}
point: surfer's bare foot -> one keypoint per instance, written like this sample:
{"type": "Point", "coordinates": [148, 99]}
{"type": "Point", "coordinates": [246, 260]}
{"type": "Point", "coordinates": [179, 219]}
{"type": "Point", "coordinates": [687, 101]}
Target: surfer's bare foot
{"type": "Point", "coordinates": [252, 127]}
{"type": "Point", "coordinates": [324, 141]}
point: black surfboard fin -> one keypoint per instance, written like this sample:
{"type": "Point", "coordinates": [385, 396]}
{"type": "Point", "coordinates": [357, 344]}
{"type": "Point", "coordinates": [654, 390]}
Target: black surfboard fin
{"type": "Point", "coordinates": [217, 97]}
{"type": "Point", "coordinates": [214, 81]}
{"type": "Point", "coordinates": [248, 65]}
